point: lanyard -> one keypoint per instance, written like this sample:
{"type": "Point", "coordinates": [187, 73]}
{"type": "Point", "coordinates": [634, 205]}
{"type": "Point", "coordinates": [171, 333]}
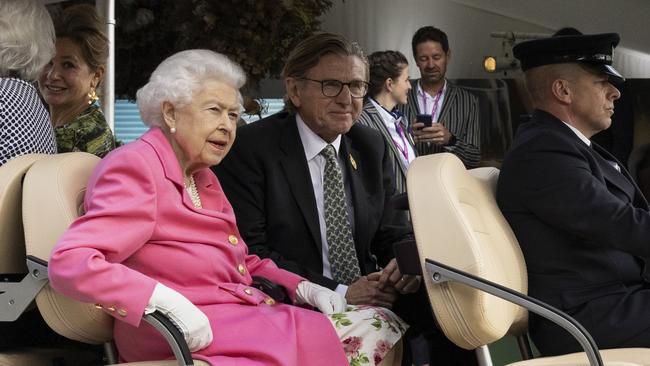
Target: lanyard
{"type": "Point", "coordinates": [436, 100]}
{"type": "Point", "coordinates": [404, 147]}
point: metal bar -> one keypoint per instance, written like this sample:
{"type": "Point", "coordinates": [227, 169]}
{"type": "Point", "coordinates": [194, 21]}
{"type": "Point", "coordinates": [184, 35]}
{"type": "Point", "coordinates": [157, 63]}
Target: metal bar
{"type": "Point", "coordinates": [524, 347]}
{"type": "Point", "coordinates": [441, 273]}
{"type": "Point", "coordinates": [483, 356]}
{"type": "Point", "coordinates": [110, 352]}
{"type": "Point", "coordinates": [173, 336]}
{"type": "Point", "coordinates": [15, 297]}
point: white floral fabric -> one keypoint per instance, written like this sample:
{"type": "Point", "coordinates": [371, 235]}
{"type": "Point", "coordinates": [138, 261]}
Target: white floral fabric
{"type": "Point", "coordinates": [367, 333]}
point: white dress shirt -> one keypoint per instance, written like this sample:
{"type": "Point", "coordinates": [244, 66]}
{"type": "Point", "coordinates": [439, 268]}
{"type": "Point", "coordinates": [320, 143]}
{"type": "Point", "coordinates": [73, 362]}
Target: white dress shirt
{"type": "Point", "coordinates": [401, 141]}
{"type": "Point", "coordinates": [429, 102]}
{"type": "Point", "coordinates": [313, 145]}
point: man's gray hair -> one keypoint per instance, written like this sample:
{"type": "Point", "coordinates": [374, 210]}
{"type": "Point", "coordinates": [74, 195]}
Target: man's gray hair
{"type": "Point", "coordinates": [182, 74]}
{"type": "Point", "coordinates": [26, 38]}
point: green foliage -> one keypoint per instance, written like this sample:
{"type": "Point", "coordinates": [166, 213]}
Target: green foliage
{"type": "Point", "coordinates": [258, 34]}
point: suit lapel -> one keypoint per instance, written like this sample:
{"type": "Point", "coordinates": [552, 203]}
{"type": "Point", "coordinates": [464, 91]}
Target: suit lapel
{"type": "Point", "coordinates": [378, 124]}
{"type": "Point", "coordinates": [354, 169]}
{"type": "Point", "coordinates": [620, 179]}
{"type": "Point", "coordinates": [296, 171]}
{"type": "Point", "coordinates": [450, 95]}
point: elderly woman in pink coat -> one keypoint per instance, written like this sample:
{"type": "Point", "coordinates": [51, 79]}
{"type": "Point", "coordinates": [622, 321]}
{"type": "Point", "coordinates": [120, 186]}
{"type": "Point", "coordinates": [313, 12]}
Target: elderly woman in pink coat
{"type": "Point", "coordinates": [159, 234]}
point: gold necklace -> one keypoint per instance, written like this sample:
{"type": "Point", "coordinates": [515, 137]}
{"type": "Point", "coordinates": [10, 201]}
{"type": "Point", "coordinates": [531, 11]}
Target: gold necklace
{"type": "Point", "coordinates": [194, 193]}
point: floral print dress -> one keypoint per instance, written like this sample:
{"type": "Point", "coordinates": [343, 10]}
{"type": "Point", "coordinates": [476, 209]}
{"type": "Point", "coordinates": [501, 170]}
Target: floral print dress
{"type": "Point", "coordinates": [367, 333]}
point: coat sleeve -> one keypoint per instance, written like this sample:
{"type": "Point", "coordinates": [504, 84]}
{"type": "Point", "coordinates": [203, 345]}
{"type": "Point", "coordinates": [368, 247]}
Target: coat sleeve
{"type": "Point", "coordinates": [120, 217]}
{"type": "Point", "coordinates": [394, 226]}
{"type": "Point", "coordinates": [267, 269]}
{"type": "Point", "coordinates": [468, 133]}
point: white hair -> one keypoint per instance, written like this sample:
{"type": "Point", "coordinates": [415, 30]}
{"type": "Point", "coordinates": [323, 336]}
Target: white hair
{"type": "Point", "coordinates": [180, 75]}
{"type": "Point", "coordinates": [26, 38]}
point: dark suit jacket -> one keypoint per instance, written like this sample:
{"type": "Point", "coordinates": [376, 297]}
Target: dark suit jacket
{"type": "Point", "coordinates": [370, 117]}
{"type": "Point", "coordinates": [266, 179]}
{"type": "Point", "coordinates": [459, 113]}
{"type": "Point", "coordinates": [584, 229]}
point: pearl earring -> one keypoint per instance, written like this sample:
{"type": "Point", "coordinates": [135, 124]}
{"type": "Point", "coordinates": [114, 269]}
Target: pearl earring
{"type": "Point", "coordinates": [172, 130]}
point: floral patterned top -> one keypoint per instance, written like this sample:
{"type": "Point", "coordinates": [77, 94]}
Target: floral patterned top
{"type": "Point", "coordinates": [89, 132]}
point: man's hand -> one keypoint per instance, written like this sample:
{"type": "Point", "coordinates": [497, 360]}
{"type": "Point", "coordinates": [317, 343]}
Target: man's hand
{"type": "Point", "coordinates": [437, 133]}
{"type": "Point", "coordinates": [391, 277]}
{"type": "Point", "coordinates": [366, 291]}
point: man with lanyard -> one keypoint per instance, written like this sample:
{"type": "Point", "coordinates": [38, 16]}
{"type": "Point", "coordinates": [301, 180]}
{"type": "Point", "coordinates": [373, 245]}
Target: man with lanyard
{"type": "Point", "coordinates": [452, 110]}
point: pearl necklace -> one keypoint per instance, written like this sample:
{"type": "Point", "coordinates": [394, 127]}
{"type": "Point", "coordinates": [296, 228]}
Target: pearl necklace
{"type": "Point", "coordinates": [194, 193]}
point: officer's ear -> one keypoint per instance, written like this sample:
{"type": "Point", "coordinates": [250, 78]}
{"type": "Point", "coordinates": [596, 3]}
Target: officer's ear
{"type": "Point", "coordinates": [561, 90]}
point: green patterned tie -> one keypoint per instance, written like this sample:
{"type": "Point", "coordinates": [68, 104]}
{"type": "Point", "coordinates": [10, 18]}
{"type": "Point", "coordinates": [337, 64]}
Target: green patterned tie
{"type": "Point", "coordinates": [338, 231]}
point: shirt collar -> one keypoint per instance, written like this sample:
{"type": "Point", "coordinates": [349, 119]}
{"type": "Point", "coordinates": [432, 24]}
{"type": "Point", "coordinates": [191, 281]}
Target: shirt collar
{"type": "Point", "coordinates": [311, 142]}
{"type": "Point", "coordinates": [422, 92]}
{"type": "Point", "coordinates": [579, 134]}
{"type": "Point", "coordinates": [383, 112]}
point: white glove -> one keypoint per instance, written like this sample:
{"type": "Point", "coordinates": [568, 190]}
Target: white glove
{"type": "Point", "coordinates": [326, 300]}
{"type": "Point", "coordinates": [191, 321]}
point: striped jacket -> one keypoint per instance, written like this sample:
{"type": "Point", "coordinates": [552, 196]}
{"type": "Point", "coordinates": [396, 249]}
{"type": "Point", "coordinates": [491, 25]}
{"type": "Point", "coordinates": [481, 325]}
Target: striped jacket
{"type": "Point", "coordinates": [370, 117]}
{"type": "Point", "coordinates": [459, 114]}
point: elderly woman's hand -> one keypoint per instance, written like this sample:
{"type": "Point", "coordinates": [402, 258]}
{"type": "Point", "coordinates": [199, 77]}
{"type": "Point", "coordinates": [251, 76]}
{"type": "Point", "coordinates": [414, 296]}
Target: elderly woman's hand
{"type": "Point", "coordinates": [191, 321]}
{"type": "Point", "coordinates": [326, 300]}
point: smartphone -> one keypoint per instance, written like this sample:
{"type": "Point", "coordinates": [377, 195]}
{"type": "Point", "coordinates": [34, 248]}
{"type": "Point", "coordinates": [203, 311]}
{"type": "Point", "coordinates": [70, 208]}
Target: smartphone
{"type": "Point", "coordinates": [424, 118]}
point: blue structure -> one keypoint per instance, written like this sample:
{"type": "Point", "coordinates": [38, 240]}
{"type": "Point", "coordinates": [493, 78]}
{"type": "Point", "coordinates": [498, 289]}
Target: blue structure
{"type": "Point", "coordinates": [129, 126]}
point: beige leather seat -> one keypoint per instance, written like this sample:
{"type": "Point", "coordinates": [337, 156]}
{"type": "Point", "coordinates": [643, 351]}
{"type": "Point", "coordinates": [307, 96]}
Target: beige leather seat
{"type": "Point", "coordinates": [53, 194]}
{"type": "Point", "coordinates": [457, 223]}
{"type": "Point", "coordinates": [13, 267]}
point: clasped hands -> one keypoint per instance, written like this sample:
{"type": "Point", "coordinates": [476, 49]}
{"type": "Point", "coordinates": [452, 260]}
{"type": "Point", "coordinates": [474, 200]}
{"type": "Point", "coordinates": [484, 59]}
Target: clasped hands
{"type": "Point", "coordinates": [381, 288]}
{"type": "Point", "coordinates": [437, 133]}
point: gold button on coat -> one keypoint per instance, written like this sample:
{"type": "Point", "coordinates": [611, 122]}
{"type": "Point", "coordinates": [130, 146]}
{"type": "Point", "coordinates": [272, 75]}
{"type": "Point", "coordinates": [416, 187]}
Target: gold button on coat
{"type": "Point", "coordinates": [111, 308]}
{"type": "Point", "coordinates": [248, 291]}
{"type": "Point", "coordinates": [99, 306]}
{"type": "Point", "coordinates": [241, 269]}
{"type": "Point", "coordinates": [121, 312]}
{"type": "Point", "coordinates": [269, 301]}
{"type": "Point", "coordinates": [233, 240]}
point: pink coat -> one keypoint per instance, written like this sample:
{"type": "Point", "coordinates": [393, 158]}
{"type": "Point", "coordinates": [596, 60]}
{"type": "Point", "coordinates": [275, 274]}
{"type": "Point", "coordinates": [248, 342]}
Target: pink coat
{"type": "Point", "coordinates": [141, 228]}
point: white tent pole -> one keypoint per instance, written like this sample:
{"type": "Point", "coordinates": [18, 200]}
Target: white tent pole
{"type": "Point", "coordinates": [107, 7]}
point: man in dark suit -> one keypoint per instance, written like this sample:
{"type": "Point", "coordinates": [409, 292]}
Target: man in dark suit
{"type": "Point", "coordinates": [454, 111]}
{"type": "Point", "coordinates": [583, 225]}
{"type": "Point", "coordinates": [276, 179]}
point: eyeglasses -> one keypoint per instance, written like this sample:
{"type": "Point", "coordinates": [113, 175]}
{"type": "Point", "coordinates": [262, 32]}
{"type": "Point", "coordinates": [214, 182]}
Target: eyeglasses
{"type": "Point", "coordinates": [332, 88]}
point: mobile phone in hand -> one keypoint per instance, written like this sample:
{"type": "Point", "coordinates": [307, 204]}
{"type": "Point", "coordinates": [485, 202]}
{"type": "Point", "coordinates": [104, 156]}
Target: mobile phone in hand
{"type": "Point", "coordinates": [424, 118]}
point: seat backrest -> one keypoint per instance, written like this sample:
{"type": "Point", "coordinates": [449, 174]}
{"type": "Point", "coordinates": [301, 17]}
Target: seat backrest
{"type": "Point", "coordinates": [457, 222]}
{"type": "Point", "coordinates": [53, 193]}
{"type": "Point", "coordinates": [12, 240]}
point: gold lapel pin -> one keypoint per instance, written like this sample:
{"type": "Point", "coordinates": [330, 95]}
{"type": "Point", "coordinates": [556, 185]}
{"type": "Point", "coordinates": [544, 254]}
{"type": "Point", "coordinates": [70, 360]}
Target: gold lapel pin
{"type": "Point", "coordinates": [353, 162]}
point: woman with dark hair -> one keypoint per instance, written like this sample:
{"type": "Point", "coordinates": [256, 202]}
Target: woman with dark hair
{"type": "Point", "coordinates": [26, 45]}
{"type": "Point", "coordinates": [389, 86]}
{"type": "Point", "coordinates": [70, 80]}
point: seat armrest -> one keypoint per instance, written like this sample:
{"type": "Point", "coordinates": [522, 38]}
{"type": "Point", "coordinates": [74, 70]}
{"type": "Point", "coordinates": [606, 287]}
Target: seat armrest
{"type": "Point", "coordinates": [441, 273]}
{"type": "Point", "coordinates": [172, 335]}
